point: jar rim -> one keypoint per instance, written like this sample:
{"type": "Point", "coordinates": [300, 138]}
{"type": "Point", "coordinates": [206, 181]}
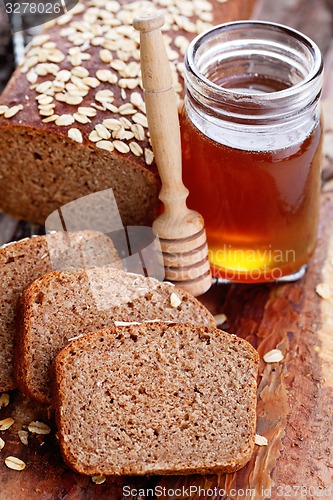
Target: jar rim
{"type": "Point", "coordinates": [313, 74]}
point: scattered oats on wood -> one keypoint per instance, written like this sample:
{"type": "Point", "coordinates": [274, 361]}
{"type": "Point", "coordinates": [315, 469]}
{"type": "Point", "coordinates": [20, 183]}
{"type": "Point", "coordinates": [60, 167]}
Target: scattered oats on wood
{"type": "Point", "coordinates": [175, 301]}
{"type": "Point", "coordinates": [23, 435]}
{"type": "Point", "coordinates": [2, 443]}
{"type": "Point", "coordinates": [123, 94]}
{"type": "Point", "coordinates": [3, 109]}
{"type": "Point", "coordinates": [37, 427]}
{"type": "Point", "coordinates": [149, 156]}
{"type": "Point", "coordinates": [220, 319]}
{"type": "Point", "coordinates": [14, 463]}
{"type": "Point", "coordinates": [64, 120]}
{"type": "Point", "coordinates": [6, 423]}
{"type": "Point", "coordinates": [98, 479]}
{"type": "Point", "coordinates": [4, 400]}
{"type": "Point", "coordinates": [106, 145]}
{"type": "Point", "coordinates": [94, 137]}
{"type": "Point", "coordinates": [324, 291]}
{"type": "Point", "coordinates": [273, 356]}
{"type": "Point", "coordinates": [260, 440]}
{"type": "Point", "coordinates": [102, 131]}
{"type": "Point", "coordinates": [13, 111]}
{"type": "Point", "coordinates": [121, 147]}
{"type": "Point", "coordinates": [75, 134]}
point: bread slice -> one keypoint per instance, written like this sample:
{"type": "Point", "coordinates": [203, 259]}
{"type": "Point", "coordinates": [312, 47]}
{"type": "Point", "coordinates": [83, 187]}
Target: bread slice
{"type": "Point", "coordinates": [62, 305]}
{"type": "Point", "coordinates": [156, 399]}
{"type": "Point", "coordinates": [23, 261]}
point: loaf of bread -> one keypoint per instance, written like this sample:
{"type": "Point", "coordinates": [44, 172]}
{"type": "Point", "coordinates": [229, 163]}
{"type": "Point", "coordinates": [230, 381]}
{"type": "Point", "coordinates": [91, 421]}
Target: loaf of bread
{"type": "Point", "coordinates": [72, 118]}
{"type": "Point", "coordinates": [63, 305]}
{"type": "Point", "coordinates": [24, 261]}
{"type": "Point", "coordinates": [156, 399]}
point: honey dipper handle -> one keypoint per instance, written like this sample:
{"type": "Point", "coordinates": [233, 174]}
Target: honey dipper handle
{"type": "Point", "coordinates": [162, 112]}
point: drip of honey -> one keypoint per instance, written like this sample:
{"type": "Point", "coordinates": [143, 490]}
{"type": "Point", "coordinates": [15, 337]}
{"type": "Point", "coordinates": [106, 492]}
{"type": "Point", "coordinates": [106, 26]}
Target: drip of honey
{"type": "Point", "coordinates": [260, 208]}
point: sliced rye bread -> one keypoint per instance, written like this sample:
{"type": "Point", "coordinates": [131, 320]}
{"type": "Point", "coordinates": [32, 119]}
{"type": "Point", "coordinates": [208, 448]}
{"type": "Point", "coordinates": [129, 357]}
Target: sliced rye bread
{"type": "Point", "coordinates": [63, 305]}
{"type": "Point", "coordinates": [156, 398]}
{"type": "Point", "coordinates": [24, 261]}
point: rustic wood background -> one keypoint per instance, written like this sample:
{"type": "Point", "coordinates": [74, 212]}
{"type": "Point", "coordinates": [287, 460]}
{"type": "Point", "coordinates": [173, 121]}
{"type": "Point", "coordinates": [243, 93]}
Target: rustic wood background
{"type": "Point", "coordinates": [295, 403]}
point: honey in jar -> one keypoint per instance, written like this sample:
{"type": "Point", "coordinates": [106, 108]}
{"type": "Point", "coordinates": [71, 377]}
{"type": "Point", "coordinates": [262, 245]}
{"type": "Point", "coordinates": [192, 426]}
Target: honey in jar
{"type": "Point", "coordinates": [251, 140]}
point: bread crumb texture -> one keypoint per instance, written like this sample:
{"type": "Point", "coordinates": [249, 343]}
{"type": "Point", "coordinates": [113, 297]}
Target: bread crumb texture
{"type": "Point", "coordinates": [63, 305]}
{"type": "Point", "coordinates": [156, 398]}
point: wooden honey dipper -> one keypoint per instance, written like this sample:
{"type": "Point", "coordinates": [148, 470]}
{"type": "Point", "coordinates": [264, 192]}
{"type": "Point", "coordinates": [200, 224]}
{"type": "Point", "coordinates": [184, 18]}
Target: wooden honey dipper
{"type": "Point", "coordinates": [180, 230]}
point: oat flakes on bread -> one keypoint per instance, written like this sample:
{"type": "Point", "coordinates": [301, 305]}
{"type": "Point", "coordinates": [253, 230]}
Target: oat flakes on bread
{"type": "Point", "coordinates": [156, 399]}
{"type": "Point", "coordinates": [24, 261]}
{"type": "Point", "coordinates": [63, 305]}
{"type": "Point", "coordinates": [72, 118]}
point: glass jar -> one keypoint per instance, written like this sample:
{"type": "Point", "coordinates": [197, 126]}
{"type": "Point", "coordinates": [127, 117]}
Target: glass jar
{"type": "Point", "coordinates": [251, 139]}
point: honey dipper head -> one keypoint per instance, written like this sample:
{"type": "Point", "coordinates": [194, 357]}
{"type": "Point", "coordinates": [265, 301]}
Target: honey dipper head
{"type": "Point", "coordinates": [186, 263]}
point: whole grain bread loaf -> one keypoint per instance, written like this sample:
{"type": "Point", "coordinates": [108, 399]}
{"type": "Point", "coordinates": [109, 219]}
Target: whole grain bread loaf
{"type": "Point", "coordinates": [24, 261]}
{"type": "Point", "coordinates": [72, 118]}
{"type": "Point", "coordinates": [63, 305]}
{"type": "Point", "coordinates": [156, 399]}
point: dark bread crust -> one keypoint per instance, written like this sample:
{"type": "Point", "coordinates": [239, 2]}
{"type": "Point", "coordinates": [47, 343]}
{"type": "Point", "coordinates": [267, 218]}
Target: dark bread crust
{"type": "Point", "coordinates": [63, 370]}
{"type": "Point", "coordinates": [45, 169]}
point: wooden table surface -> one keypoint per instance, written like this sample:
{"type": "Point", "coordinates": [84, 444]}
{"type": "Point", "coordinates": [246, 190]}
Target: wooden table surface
{"type": "Point", "coordinates": [295, 397]}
